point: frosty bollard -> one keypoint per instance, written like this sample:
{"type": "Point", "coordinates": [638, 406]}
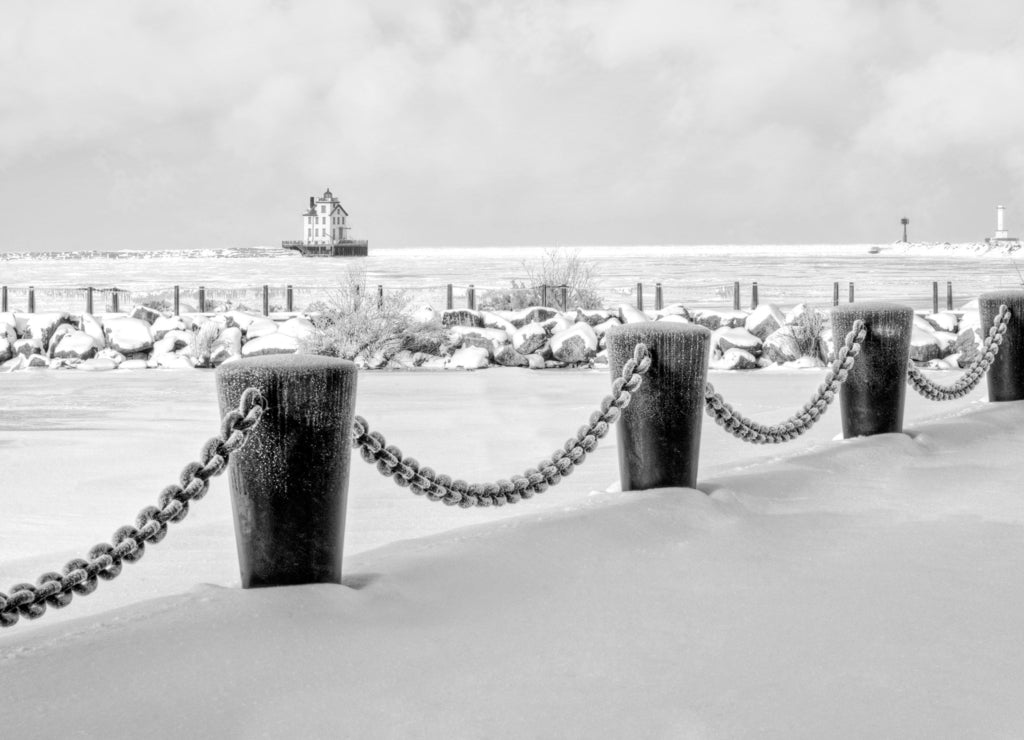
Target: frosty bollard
{"type": "Point", "coordinates": [872, 397]}
{"type": "Point", "coordinates": [659, 431]}
{"type": "Point", "coordinates": [289, 483]}
{"type": "Point", "coordinates": [1006, 374]}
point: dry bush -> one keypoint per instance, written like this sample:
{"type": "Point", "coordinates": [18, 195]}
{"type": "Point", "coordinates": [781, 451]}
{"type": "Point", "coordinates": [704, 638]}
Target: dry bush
{"type": "Point", "coordinates": [201, 343]}
{"type": "Point", "coordinates": [557, 267]}
{"type": "Point", "coordinates": [354, 322]}
{"type": "Point", "coordinates": [807, 330]}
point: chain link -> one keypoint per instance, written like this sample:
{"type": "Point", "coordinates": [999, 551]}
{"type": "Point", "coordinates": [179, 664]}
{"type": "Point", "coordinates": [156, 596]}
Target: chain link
{"type": "Point", "coordinates": [751, 431]}
{"type": "Point", "coordinates": [975, 371]}
{"type": "Point", "coordinates": [128, 544]}
{"type": "Point", "coordinates": [423, 481]}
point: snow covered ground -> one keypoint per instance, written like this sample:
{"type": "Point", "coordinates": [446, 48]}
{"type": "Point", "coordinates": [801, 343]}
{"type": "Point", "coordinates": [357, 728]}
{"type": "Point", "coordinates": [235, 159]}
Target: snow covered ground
{"type": "Point", "coordinates": [822, 588]}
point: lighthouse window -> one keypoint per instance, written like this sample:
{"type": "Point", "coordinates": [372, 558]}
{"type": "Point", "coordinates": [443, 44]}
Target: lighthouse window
{"type": "Point", "coordinates": [323, 209]}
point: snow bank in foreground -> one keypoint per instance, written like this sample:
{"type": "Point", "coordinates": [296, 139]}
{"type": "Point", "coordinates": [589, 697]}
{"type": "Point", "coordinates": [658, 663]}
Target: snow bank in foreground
{"type": "Point", "coordinates": [870, 587]}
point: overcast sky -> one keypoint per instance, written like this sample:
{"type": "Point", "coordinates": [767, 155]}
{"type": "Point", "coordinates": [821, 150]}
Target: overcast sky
{"type": "Point", "coordinates": [205, 124]}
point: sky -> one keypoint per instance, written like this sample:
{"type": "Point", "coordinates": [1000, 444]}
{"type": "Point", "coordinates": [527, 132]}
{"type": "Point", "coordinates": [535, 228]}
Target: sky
{"type": "Point", "coordinates": [556, 122]}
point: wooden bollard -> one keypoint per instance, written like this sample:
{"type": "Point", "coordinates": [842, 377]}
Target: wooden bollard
{"type": "Point", "coordinates": [89, 300]}
{"type": "Point", "coordinates": [871, 400]}
{"type": "Point", "coordinates": [289, 483]}
{"type": "Point", "coordinates": [1006, 374]}
{"type": "Point", "coordinates": [659, 431]}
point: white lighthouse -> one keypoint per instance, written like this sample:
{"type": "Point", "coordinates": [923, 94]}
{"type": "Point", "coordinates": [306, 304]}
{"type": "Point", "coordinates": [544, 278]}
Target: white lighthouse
{"type": "Point", "coordinates": [1000, 225]}
{"type": "Point", "coordinates": [1002, 236]}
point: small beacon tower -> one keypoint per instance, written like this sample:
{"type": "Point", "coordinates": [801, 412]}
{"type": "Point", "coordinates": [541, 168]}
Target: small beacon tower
{"type": "Point", "coordinates": [1002, 237]}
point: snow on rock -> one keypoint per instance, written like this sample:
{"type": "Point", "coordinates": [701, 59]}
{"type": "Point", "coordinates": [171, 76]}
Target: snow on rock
{"type": "Point", "coordinates": [145, 313]}
{"type": "Point", "coordinates": [727, 338]}
{"type": "Point", "coordinates": [461, 317]}
{"type": "Point", "coordinates": [763, 320]}
{"type": "Point", "coordinates": [135, 364]}
{"type": "Point", "coordinates": [538, 314]}
{"type": "Point", "coordinates": [227, 346]}
{"type": "Point", "coordinates": [674, 318]}
{"type": "Point", "coordinates": [8, 326]}
{"type": "Point", "coordinates": [260, 326]}
{"type": "Point", "coordinates": [75, 345]}
{"type": "Point", "coordinates": [128, 335]}
{"type": "Point", "coordinates": [41, 326]}
{"type": "Point", "coordinates": [631, 315]}
{"type": "Point", "coordinates": [488, 339]}
{"type": "Point", "coordinates": [298, 327]}
{"type": "Point", "coordinates": [27, 347]}
{"type": "Point", "coordinates": [734, 358]}
{"type": "Point", "coordinates": [270, 344]}
{"type": "Point", "coordinates": [602, 328]}
{"type": "Point", "coordinates": [507, 356]}
{"type": "Point", "coordinates": [241, 319]}
{"type": "Point", "coordinates": [782, 345]}
{"type": "Point", "coordinates": [164, 324]}
{"type": "Point", "coordinates": [923, 345]}
{"type": "Point", "coordinates": [6, 349]}
{"type": "Point", "coordinates": [578, 343]}
{"type": "Point", "coordinates": [98, 364]}
{"type": "Point", "coordinates": [470, 358]}
{"type": "Point", "coordinates": [494, 321]}
{"type": "Point", "coordinates": [529, 338]}
{"type": "Point", "coordinates": [94, 329]}
{"type": "Point", "coordinates": [424, 314]}
{"type": "Point", "coordinates": [943, 321]}
{"type": "Point", "coordinates": [557, 323]}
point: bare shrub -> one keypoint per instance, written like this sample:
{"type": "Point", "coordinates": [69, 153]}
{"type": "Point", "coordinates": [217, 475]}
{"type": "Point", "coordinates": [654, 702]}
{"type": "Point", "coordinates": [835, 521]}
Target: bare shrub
{"type": "Point", "coordinates": [201, 343]}
{"type": "Point", "coordinates": [808, 328]}
{"type": "Point", "coordinates": [556, 268]}
{"type": "Point", "coordinates": [353, 322]}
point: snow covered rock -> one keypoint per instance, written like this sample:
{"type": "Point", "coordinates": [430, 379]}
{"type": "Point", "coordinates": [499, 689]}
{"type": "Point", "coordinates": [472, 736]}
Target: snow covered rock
{"type": "Point", "coordinates": [507, 356]}
{"type": "Point", "coordinates": [261, 326]}
{"type": "Point", "coordinates": [488, 339]}
{"type": "Point", "coordinates": [734, 359]}
{"type": "Point", "coordinates": [175, 362]}
{"type": "Point", "coordinates": [6, 350]}
{"type": "Point", "coordinates": [128, 335]}
{"type": "Point", "coordinates": [674, 318]}
{"type": "Point", "coordinates": [557, 323]}
{"type": "Point", "coordinates": [923, 345]}
{"type": "Point", "coordinates": [41, 326]}
{"type": "Point", "coordinates": [538, 314]}
{"type": "Point", "coordinates": [75, 345]}
{"type": "Point", "coordinates": [227, 346]}
{"type": "Point", "coordinates": [942, 321]}
{"type": "Point", "coordinates": [602, 328]}
{"type": "Point", "coordinates": [271, 344]}
{"type": "Point", "coordinates": [98, 364]}
{"type": "Point", "coordinates": [164, 324]}
{"type": "Point", "coordinates": [494, 321]}
{"type": "Point", "coordinates": [241, 319]}
{"type": "Point", "coordinates": [782, 345]}
{"type": "Point", "coordinates": [470, 358]}
{"type": "Point", "coordinates": [631, 315]}
{"type": "Point", "coordinates": [147, 314]}
{"type": "Point", "coordinates": [8, 326]}
{"type": "Point", "coordinates": [763, 320]}
{"type": "Point", "coordinates": [529, 338]}
{"type": "Point", "coordinates": [728, 338]}
{"type": "Point", "coordinates": [424, 314]}
{"type": "Point", "coordinates": [135, 364]}
{"type": "Point", "coordinates": [576, 344]}
{"type": "Point", "coordinates": [300, 327]}
{"type": "Point", "coordinates": [93, 328]}
{"type": "Point", "coordinates": [27, 347]}
{"type": "Point", "coordinates": [461, 317]}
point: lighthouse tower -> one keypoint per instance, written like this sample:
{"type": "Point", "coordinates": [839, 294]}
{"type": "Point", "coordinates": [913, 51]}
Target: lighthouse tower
{"type": "Point", "coordinates": [1000, 225]}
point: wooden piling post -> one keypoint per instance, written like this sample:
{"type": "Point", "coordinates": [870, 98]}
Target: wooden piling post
{"type": "Point", "coordinates": [544, 296]}
{"type": "Point", "coordinates": [289, 483]}
{"type": "Point", "coordinates": [31, 299]}
{"type": "Point", "coordinates": [872, 398]}
{"type": "Point", "coordinates": [949, 295]}
{"type": "Point", "coordinates": [639, 296]}
{"type": "Point", "coordinates": [289, 298]}
{"type": "Point", "coordinates": [471, 297]}
{"type": "Point", "coordinates": [177, 300]}
{"type": "Point", "coordinates": [1006, 374]}
{"type": "Point", "coordinates": [753, 295]}
{"type": "Point", "coordinates": [3, 298]}
{"type": "Point", "coordinates": [564, 291]}
{"type": "Point", "coordinates": [851, 292]}
{"type": "Point", "coordinates": [88, 300]}
{"type": "Point", "coordinates": [835, 293]}
{"type": "Point", "coordinates": [450, 297]}
{"type": "Point", "coordinates": [202, 299]}
{"type": "Point", "coordinates": [935, 296]}
{"type": "Point", "coordinates": [659, 431]}
{"type": "Point", "coordinates": [658, 304]}
{"type": "Point", "coordinates": [266, 300]}
{"type": "Point", "coordinates": [115, 300]}
{"type": "Point", "coordinates": [736, 296]}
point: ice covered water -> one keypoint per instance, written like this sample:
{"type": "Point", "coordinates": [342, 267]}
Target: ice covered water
{"type": "Point", "coordinates": [697, 276]}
